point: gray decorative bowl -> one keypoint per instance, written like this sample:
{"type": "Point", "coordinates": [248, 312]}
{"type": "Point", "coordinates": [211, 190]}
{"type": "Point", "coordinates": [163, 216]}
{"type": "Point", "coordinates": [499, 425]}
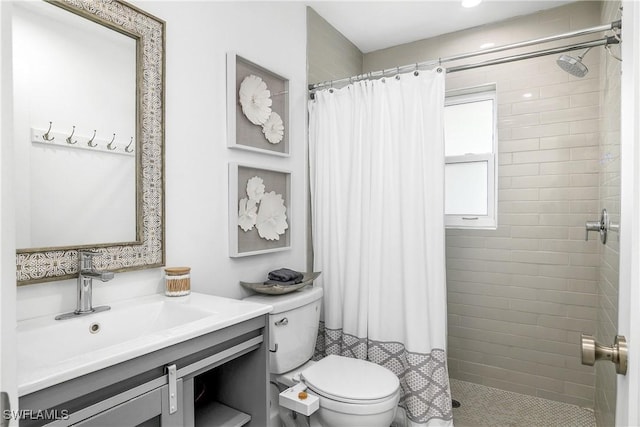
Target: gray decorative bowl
{"type": "Point", "coordinates": [271, 289]}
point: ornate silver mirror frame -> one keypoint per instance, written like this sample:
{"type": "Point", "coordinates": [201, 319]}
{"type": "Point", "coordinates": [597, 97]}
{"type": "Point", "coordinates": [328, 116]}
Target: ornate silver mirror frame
{"type": "Point", "coordinates": [47, 264]}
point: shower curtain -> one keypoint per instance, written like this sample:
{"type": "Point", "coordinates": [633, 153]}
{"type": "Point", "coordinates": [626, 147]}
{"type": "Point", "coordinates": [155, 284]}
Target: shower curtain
{"type": "Point", "coordinates": [377, 180]}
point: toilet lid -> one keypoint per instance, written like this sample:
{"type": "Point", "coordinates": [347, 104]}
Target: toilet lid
{"type": "Point", "coordinates": [347, 379]}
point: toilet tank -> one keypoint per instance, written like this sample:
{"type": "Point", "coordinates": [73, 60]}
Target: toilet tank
{"type": "Point", "coordinates": [293, 327]}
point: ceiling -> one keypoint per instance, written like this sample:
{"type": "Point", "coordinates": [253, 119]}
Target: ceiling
{"type": "Point", "coordinates": [374, 25]}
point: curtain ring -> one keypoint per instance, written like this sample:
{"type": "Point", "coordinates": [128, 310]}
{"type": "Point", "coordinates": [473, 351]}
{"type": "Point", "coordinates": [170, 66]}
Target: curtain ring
{"type": "Point", "coordinates": [439, 69]}
{"type": "Point", "coordinates": [416, 73]}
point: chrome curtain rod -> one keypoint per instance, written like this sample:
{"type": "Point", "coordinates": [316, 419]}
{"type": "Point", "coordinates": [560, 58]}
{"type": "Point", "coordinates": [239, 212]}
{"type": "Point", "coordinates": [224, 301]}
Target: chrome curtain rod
{"type": "Point", "coordinates": [535, 54]}
{"type": "Point", "coordinates": [615, 25]}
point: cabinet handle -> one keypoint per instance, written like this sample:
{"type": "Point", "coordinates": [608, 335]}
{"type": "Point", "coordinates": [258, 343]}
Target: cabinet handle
{"type": "Point", "coordinates": [172, 380]}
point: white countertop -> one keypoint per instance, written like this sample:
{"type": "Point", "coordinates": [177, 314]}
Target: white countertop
{"type": "Point", "coordinates": [53, 351]}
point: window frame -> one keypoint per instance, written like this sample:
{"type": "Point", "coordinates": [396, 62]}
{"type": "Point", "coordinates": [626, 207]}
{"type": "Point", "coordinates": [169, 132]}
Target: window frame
{"type": "Point", "coordinates": [472, 221]}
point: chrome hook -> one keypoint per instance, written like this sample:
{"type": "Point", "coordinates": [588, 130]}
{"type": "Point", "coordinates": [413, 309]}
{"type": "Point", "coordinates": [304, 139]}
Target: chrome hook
{"type": "Point", "coordinates": [110, 145]}
{"type": "Point", "coordinates": [89, 142]}
{"type": "Point", "coordinates": [127, 147]}
{"type": "Point", "coordinates": [69, 138]}
{"type": "Point", "coordinates": [46, 135]}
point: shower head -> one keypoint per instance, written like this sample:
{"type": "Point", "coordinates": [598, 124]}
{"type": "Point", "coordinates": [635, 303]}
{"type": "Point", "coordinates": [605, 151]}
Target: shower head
{"type": "Point", "coordinates": [573, 66]}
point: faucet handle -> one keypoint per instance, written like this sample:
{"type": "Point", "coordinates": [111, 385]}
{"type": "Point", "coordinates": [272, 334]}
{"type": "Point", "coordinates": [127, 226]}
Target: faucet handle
{"type": "Point", "coordinates": [87, 252]}
{"type": "Point", "coordinates": [85, 259]}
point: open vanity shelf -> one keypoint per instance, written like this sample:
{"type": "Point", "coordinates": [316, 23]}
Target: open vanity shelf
{"type": "Point", "coordinates": [218, 414]}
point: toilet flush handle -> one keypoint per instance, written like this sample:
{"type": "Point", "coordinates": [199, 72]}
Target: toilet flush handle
{"type": "Point", "coordinates": [282, 322]}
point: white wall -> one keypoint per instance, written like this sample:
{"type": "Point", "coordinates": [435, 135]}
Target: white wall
{"type": "Point", "coordinates": [7, 241]}
{"type": "Point", "coordinates": [198, 36]}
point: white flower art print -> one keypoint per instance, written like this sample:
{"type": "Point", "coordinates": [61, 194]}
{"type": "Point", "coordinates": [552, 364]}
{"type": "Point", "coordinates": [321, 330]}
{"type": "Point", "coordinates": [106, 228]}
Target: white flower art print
{"type": "Point", "coordinates": [264, 210]}
{"type": "Point", "coordinates": [255, 99]}
{"type": "Point", "coordinates": [255, 188]}
{"type": "Point", "coordinates": [273, 128]}
{"type": "Point", "coordinates": [248, 214]}
{"type": "Point", "coordinates": [272, 218]}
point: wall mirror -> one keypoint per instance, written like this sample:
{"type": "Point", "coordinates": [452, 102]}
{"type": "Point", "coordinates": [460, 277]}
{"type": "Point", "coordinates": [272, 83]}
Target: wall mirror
{"type": "Point", "coordinates": [88, 136]}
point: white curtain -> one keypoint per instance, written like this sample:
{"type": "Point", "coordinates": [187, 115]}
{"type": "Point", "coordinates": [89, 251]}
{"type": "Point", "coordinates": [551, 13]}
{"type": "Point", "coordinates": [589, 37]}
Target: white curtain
{"type": "Point", "coordinates": [377, 183]}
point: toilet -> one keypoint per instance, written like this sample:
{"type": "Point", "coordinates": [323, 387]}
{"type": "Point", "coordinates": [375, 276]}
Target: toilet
{"type": "Point", "coordinates": [351, 392]}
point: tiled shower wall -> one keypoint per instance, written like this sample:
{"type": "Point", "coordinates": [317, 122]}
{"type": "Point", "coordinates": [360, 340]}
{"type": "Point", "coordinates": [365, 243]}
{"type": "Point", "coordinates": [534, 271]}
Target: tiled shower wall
{"type": "Point", "coordinates": [330, 55]}
{"type": "Point", "coordinates": [519, 296]}
{"type": "Point", "coordinates": [607, 328]}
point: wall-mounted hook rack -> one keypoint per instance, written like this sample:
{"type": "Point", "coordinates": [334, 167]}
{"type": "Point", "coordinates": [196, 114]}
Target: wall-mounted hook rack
{"type": "Point", "coordinates": [78, 141]}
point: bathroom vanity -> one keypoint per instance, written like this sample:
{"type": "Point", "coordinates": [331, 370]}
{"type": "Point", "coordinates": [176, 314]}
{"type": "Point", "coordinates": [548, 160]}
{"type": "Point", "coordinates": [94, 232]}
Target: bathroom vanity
{"type": "Point", "coordinates": [204, 362]}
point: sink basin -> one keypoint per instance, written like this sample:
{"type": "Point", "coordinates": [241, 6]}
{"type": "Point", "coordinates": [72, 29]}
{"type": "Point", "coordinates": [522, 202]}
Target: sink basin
{"type": "Point", "coordinates": [51, 351]}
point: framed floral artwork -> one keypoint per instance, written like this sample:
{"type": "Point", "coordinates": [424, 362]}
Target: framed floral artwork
{"type": "Point", "coordinates": [259, 210]}
{"type": "Point", "coordinates": [257, 108]}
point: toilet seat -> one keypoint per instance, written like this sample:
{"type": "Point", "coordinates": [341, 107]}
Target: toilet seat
{"type": "Point", "coordinates": [352, 381]}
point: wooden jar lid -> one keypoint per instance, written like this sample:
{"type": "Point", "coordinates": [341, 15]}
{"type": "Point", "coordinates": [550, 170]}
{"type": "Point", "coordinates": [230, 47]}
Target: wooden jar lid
{"type": "Point", "coordinates": [177, 271]}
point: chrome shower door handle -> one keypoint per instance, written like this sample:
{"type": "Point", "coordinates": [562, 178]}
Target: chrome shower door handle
{"type": "Point", "coordinates": [592, 351]}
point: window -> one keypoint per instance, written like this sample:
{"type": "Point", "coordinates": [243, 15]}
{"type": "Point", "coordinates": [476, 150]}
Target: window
{"type": "Point", "coordinates": [471, 158]}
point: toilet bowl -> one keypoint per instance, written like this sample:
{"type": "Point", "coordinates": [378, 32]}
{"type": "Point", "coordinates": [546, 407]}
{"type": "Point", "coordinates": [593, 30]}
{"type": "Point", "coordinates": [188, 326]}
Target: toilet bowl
{"type": "Point", "coordinates": [351, 392]}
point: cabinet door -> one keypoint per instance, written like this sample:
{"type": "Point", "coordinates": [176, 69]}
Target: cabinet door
{"type": "Point", "coordinates": [150, 409]}
{"type": "Point", "coordinates": [132, 413]}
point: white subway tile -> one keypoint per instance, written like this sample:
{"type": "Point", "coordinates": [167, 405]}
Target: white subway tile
{"type": "Point", "coordinates": [541, 105]}
{"type": "Point", "coordinates": [542, 156]}
{"type": "Point", "coordinates": [545, 130]}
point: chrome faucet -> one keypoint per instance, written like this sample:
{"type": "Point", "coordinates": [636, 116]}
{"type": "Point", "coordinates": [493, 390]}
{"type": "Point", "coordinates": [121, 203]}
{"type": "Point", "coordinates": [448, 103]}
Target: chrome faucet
{"type": "Point", "coordinates": [86, 274]}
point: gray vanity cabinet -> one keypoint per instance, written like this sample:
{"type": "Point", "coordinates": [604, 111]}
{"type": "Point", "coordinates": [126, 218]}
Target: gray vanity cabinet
{"type": "Point", "coordinates": [146, 410]}
{"type": "Point", "coordinates": [226, 371]}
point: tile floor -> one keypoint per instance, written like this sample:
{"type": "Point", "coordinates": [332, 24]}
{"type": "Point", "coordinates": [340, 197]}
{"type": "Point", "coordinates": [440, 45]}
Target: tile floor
{"type": "Point", "coordinates": [483, 406]}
